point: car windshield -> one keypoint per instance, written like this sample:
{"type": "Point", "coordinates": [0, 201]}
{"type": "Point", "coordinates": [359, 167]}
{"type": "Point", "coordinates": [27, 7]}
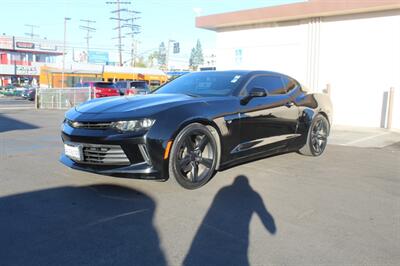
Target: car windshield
{"type": "Point", "coordinates": [202, 84]}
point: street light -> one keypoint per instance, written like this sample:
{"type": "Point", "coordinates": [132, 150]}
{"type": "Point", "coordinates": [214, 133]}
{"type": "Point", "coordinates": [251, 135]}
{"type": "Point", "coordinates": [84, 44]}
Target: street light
{"type": "Point", "coordinates": [63, 59]}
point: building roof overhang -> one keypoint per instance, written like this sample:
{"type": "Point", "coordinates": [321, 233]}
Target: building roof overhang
{"type": "Point", "coordinates": [296, 11]}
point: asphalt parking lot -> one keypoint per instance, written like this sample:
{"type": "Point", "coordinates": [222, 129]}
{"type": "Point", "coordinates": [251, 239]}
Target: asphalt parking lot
{"type": "Point", "coordinates": [342, 208]}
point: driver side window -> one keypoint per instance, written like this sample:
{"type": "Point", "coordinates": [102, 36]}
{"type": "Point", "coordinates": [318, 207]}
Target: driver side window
{"type": "Point", "coordinates": [272, 84]}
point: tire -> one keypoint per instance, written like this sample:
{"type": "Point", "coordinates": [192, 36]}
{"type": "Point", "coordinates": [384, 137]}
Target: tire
{"type": "Point", "coordinates": [317, 137]}
{"type": "Point", "coordinates": [193, 156]}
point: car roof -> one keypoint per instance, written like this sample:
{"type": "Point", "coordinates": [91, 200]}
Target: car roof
{"type": "Point", "coordinates": [244, 72]}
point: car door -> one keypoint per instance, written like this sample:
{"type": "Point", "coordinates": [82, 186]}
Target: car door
{"type": "Point", "coordinates": [267, 123]}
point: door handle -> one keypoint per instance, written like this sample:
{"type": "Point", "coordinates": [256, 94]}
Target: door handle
{"type": "Point", "coordinates": [289, 104]}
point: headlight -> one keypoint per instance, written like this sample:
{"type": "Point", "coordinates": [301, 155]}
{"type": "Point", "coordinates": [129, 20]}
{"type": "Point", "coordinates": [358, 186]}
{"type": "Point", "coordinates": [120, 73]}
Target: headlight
{"type": "Point", "coordinates": [133, 125]}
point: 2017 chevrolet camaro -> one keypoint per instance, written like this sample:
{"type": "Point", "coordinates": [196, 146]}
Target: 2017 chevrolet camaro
{"type": "Point", "coordinates": [196, 125]}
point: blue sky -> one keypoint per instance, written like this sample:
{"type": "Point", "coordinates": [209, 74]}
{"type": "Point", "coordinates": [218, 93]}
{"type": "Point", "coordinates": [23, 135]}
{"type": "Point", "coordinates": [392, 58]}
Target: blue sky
{"type": "Point", "coordinates": [160, 20]}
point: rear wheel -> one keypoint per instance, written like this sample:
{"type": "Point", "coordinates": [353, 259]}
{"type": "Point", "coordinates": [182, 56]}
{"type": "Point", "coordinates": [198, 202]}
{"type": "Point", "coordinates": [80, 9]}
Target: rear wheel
{"type": "Point", "coordinates": [317, 137]}
{"type": "Point", "coordinates": [193, 156]}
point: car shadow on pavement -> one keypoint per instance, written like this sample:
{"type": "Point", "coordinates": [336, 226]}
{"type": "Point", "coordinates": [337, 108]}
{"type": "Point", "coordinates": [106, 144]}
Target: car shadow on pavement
{"type": "Point", "coordinates": [8, 124]}
{"type": "Point", "coordinates": [223, 236]}
{"type": "Point", "coordinates": [89, 225]}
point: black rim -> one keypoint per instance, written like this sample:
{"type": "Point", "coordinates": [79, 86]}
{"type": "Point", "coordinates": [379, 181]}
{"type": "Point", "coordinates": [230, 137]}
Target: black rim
{"type": "Point", "coordinates": [319, 136]}
{"type": "Point", "coordinates": [195, 157]}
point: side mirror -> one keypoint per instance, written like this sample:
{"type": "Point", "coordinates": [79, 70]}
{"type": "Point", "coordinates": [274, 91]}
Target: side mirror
{"type": "Point", "coordinates": [254, 92]}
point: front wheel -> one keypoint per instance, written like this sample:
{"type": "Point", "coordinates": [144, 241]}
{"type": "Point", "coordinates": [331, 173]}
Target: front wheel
{"type": "Point", "coordinates": [193, 156]}
{"type": "Point", "coordinates": [317, 137]}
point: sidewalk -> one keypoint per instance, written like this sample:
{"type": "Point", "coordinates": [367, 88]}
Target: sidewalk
{"type": "Point", "coordinates": [363, 137]}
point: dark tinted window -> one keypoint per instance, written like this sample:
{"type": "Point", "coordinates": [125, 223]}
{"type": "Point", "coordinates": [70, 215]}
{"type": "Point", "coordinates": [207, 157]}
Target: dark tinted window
{"type": "Point", "coordinates": [138, 84]}
{"type": "Point", "coordinates": [289, 83]}
{"type": "Point", "coordinates": [104, 85]}
{"type": "Point", "coordinates": [155, 83]}
{"type": "Point", "coordinates": [121, 84]}
{"type": "Point", "coordinates": [272, 84]}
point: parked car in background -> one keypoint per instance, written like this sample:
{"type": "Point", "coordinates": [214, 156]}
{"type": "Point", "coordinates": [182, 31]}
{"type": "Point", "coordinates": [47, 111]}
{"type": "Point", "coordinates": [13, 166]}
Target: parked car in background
{"type": "Point", "coordinates": [31, 94]}
{"type": "Point", "coordinates": [101, 89]}
{"type": "Point", "coordinates": [24, 93]}
{"type": "Point", "coordinates": [18, 91]}
{"type": "Point", "coordinates": [12, 90]}
{"type": "Point", "coordinates": [133, 87]}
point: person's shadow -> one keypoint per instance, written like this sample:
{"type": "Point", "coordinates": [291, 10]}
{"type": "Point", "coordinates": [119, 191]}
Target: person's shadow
{"type": "Point", "coordinates": [223, 236]}
{"type": "Point", "coordinates": [88, 225]}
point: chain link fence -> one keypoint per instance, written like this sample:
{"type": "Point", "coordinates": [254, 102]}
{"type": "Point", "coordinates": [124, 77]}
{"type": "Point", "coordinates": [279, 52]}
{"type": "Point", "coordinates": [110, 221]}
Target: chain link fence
{"type": "Point", "coordinates": [62, 98]}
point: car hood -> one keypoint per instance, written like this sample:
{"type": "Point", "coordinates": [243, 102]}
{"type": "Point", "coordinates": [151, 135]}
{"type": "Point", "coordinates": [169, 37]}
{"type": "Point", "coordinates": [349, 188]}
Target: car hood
{"type": "Point", "coordinates": [151, 103]}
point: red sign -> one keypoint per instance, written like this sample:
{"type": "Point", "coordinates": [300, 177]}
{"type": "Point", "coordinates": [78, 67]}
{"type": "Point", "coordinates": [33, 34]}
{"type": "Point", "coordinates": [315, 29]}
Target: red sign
{"type": "Point", "coordinates": [25, 45]}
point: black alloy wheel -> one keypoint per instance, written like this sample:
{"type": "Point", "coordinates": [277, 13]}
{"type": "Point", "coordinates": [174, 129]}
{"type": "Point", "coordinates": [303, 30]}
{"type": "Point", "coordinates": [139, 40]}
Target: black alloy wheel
{"type": "Point", "coordinates": [193, 156]}
{"type": "Point", "coordinates": [317, 137]}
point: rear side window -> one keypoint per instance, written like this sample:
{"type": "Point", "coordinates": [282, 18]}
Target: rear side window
{"type": "Point", "coordinates": [289, 83]}
{"type": "Point", "coordinates": [272, 84]}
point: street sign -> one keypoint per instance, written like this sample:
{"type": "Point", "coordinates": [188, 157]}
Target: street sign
{"type": "Point", "coordinates": [97, 57]}
{"type": "Point", "coordinates": [176, 48]}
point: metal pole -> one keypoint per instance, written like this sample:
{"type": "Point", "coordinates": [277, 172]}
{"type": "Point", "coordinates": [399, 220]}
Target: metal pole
{"type": "Point", "coordinates": [169, 42]}
{"type": "Point", "coordinates": [132, 52]}
{"type": "Point", "coordinates": [63, 59]}
{"type": "Point", "coordinates": [167, 57]}
{"type": "Point", "coordinates": [328, 89]}
{"type": "Point", "coordinates": [36, 98]}
{"type": "Point", "coordinates": [119, 33]}
{"type": "Point", "coordinates": [390, 108]}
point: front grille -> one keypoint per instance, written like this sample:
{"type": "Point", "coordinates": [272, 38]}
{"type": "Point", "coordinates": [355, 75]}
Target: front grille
{"type": "Point", "coordinates": [90, 125]}
{"type": "Point", "coordinates": [104, 154]}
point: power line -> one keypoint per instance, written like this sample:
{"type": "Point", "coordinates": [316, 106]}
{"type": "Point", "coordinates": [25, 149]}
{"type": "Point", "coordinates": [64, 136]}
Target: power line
{"type": "Point", "coordinates": [88, 30]}
{"type": "Point", "coordinates": [118, 28]}
{"type": "Point", "coordinates": [32, 27]}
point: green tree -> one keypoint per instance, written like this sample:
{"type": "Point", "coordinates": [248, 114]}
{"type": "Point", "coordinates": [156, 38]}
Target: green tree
{"type": "Point", "coordinates": [199, 53]}
{"type": "Point", "coordinates": [196, 56]}
{"type": "Point", "coordinates": [192, 59]}
{"type": "Point", "coordinates": [152, 59]}
{"type": "Point", "coordinates": [140, 62]}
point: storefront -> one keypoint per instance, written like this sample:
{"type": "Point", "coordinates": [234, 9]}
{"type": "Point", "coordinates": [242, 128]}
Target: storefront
{"type": "Point", "coordinates": [20, 57]}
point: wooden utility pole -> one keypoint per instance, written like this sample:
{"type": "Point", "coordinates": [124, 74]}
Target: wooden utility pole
{"type": "Point", "coordinates": [134, 29]}
{"type": "Point", "coordinates": [31, 33]}
{"type": "Point", "coordinates": [118, 28]}
{"type": "Point", "coordinates": [88, 30]}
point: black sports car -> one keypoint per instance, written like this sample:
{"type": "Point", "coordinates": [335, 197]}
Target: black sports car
{"type": "Point", "coordinates": [196, 125]}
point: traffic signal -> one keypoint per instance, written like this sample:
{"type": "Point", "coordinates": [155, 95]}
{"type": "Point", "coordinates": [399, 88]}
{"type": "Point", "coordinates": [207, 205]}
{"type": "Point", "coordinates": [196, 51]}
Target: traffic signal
{"type": "Point", "coordinates": [176, 48]}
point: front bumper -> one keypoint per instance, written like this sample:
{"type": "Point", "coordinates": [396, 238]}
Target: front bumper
{"type": "Point", "coordinates": [141, 165]}
{"type": "Point", "coordinates": [139, 171]}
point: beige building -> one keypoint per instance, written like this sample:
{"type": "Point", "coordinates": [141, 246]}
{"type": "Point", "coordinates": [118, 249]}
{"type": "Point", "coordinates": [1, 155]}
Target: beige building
{"type": "Point", "coordinates": [352, 45]}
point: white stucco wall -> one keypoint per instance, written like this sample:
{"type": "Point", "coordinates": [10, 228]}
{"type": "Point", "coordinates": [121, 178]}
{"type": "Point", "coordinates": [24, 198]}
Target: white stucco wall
{"type": "Point", "coordinates": [358, 55]}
